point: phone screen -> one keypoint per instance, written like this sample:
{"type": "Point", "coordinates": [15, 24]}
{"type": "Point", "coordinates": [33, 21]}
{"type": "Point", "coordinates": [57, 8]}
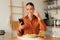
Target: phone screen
{"type": "Point", "coordinates": [21, 21]}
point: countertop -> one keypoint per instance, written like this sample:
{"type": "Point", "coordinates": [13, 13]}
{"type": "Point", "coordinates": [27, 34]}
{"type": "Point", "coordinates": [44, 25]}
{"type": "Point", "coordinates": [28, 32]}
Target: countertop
{"type": "Point", "coordinates": [53, 26]}
{"type": "Point", "coordinates": [50, 38]}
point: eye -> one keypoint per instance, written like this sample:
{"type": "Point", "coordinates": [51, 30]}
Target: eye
{"type": "Point", "coordinates": [31, 8]}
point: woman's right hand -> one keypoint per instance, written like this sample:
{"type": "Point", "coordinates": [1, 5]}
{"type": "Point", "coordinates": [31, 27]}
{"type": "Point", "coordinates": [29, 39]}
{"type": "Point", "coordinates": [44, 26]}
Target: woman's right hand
{"type": "Point", "coordinates": [20, 27]}
{"type": "Point", "coordinates": [19, 32]}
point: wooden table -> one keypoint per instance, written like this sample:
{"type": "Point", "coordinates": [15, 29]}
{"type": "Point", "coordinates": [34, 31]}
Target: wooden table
{"type": "Point", "coordinates": [50, 38]}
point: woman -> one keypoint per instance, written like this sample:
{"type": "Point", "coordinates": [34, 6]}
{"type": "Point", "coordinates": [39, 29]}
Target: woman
{"type": "Point", "coordinates": [33, 23]}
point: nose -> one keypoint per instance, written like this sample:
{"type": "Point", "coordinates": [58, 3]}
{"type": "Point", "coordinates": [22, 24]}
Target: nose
{"type": "Point", "coordinates": [29, 11]}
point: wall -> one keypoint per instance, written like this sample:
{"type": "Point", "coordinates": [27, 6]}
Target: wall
{"type": "Point", "coordinates": [4, 17]}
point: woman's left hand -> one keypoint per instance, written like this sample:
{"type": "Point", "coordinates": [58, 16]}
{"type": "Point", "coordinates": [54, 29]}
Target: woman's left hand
{"type": "Point", "coordinates": [37, 15]}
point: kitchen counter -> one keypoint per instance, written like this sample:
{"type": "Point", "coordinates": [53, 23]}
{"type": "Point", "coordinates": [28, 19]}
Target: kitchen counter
{"type": "Point", "coordinates": [50, 38]}
{"type": "Point", "coordinates": [53, 26]}
{"type": "Point", "coordinates": [53, 31]}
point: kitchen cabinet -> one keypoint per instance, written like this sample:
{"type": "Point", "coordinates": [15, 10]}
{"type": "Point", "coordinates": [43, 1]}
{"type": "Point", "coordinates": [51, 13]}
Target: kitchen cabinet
{"type": "Point", "coordinates": [52, 9]}
{"type": "Point", "coordinates": [53, 32]}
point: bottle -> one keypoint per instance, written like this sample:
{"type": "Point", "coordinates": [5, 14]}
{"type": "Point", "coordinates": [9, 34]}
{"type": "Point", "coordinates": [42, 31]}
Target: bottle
{"type": "Point", "coordinates": [57, 23]}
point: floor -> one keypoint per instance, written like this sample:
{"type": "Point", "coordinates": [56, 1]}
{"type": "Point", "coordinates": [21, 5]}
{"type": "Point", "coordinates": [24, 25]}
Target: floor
{"type": "Point", "coordinates": [40, 38]}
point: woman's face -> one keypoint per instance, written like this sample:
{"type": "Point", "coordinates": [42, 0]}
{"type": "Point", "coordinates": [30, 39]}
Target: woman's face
{"type": "Point", "coordinates": [29, 9]}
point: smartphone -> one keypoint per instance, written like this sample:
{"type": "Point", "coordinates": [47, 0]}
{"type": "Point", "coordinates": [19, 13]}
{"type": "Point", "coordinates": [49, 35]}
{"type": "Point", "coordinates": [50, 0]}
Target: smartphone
{"type": "Point", "coordinates": [21, 21]}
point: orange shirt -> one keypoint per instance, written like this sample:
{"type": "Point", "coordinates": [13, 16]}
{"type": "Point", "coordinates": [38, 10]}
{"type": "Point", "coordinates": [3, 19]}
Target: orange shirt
{"type": "Point", "coordinates": [33, 26]}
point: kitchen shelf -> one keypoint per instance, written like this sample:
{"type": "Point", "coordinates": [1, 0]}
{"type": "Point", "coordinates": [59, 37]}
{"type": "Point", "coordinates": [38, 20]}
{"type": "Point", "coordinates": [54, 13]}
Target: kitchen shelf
{"type": "Point", "coordinates": [49, 0]}
{"type": "Point", "coordinates": [17, 6]}
{"type": "Point", "coordinates": [53, 26]}
{"type": "Point", "coordinates": [54, 8]}
{"type": "Point", "coordinates": [17, 13]}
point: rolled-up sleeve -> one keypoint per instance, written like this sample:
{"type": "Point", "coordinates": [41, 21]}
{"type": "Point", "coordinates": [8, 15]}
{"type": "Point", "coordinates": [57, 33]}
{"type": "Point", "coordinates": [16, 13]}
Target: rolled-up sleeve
{"type": "Point", "coordinates": [42, 25]}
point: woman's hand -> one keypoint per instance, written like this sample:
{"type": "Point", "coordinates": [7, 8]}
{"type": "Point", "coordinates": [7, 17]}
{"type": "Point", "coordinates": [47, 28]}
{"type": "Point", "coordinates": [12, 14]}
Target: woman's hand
{"type": "Point", "coordinates": [20, 27]}
{"type": "Point", "coordinates": [37, 15]}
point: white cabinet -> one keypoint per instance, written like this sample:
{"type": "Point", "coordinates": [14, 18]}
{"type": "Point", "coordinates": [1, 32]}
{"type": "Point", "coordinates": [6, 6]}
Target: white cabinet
{"type": "Point", "coordinates": [48, 32]}
{"type": "Point", "coordinates": [53, 32]}
{"type": "Point", "coordinates": [56, 32]}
